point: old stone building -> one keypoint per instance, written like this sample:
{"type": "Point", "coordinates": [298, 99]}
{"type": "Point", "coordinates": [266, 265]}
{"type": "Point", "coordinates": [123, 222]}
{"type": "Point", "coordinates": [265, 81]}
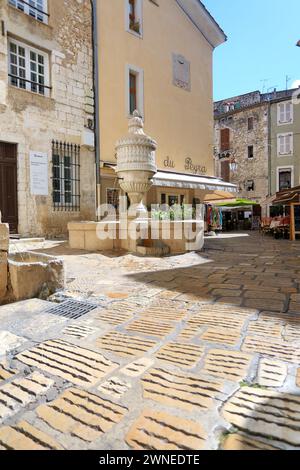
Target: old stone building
{"type": "Point", "coordinates": [256, 144]}
{"type": "Point", "coordinates": [47, 162]}
{"type": "Point", "coordinates": [241, 146]}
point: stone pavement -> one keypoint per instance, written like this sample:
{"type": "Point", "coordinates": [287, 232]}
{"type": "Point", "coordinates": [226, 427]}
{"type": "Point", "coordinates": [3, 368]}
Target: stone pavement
{"type": "Point", "coordinates": [200, 351]}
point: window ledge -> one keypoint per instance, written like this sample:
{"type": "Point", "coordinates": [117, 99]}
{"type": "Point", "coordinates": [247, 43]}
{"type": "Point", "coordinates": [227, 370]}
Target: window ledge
{"type": "Point", "coordinates": [24, 15]}
{"type": "Point", "coordinates": [285, 123]}
{"type": "Point", "coordinates": [29, 93]}
{"type": "Point", "coordinates": [134, 33]}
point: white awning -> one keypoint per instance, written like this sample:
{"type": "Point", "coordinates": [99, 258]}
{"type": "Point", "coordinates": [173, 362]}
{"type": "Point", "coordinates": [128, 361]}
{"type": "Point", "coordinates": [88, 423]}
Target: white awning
{"type": "Point", "coordinates": [184, 181]}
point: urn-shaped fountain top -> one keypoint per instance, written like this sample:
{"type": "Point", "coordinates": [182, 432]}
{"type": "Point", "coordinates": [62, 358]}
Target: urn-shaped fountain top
{"type": "Point", "coordinates": [136, 150]}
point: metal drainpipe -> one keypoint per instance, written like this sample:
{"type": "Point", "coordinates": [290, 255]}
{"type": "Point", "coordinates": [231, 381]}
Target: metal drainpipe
{"type": "Point", "coordinates": [96, 103]}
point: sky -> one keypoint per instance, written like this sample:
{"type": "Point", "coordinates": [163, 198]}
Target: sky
{"type": "Point", "coordinates": [261, 48]}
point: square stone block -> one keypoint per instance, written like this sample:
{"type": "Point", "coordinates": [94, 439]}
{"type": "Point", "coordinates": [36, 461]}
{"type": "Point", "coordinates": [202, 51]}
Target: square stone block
{"type": "Point", "coordinates": [4, 237]}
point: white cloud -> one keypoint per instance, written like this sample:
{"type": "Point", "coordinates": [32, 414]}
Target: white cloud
{"type": "Point", "coordinates": [296, 84]}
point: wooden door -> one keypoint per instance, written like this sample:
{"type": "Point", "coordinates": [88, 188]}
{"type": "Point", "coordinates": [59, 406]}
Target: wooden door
{"type": "Point", "coordinates": [8, 185]}
{"type": "Point", "coordinates": [225, 171]}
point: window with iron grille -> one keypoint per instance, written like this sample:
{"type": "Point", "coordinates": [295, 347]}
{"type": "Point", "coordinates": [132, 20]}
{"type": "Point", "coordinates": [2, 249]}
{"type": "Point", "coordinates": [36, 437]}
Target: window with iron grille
{"type": "Point", "coordinates": [65, 176]}
{"type": "Point", "coordinates": [37, 9]}
{"type": "Point", "coordinates": [28, 68]}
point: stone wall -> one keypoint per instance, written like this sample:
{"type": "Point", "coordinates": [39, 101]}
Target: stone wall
{"type": "Point", "coordinates": [4, 241]}
{"type": "Point", "coordinates": [255, 169]}
{"type": "Point", "coordinates": [32, 121]}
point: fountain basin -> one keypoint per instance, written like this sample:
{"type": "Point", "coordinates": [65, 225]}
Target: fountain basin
{"type": "Point", "coordinates": [30, 273]}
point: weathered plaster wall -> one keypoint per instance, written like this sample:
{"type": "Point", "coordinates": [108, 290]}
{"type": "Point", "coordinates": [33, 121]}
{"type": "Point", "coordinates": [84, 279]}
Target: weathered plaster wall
{"type": "Point", "coordinates": [32, 121]}
{"type": "Point", "coordinates": [180, 121]}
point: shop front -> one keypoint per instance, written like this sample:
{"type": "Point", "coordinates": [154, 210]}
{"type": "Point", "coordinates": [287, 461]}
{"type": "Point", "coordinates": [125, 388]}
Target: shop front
{"type": "Point", "coordinates": [289, 201]}
{"type": "Point", "coordinates": [171, 188]}
{"type": "Point", "coordinates": [240, 214]}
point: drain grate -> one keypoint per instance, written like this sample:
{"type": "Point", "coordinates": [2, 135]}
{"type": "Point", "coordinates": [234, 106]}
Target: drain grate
{"type": "Point", "coordinates": [72, 309]}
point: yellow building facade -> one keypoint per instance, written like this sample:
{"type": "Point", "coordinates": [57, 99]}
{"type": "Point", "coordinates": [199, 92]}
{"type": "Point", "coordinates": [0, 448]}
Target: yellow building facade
{"type": "Point", "coordinates": [156, 56]}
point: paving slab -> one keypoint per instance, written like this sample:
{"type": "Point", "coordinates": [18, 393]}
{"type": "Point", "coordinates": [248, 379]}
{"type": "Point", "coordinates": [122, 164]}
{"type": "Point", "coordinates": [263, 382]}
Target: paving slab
{"type": "Point", "coordinates": [231, 365]}
{"type": "Point", "coordinates": [73, 363]}
{"type": "Point", "coordinates": [162, 431]}
{"type": "Point", "coordinates": [81, 414]}
{"type": "Point", "coordinates": [240, 442]}
{"type": "Point", "coordinates": [272, 373]}
{"type": "Point", "coordinates": [266, 413]}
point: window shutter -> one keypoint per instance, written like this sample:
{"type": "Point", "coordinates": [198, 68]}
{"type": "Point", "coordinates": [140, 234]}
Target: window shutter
{"type": "Point", "coordinates": [225, 139]}
{"type": "Point", "coordinates": [288, 112]}
{"type": "Point", "coordinates": [281, 144]}
{"type": "Point", "coordinates": [287, 144]}
{"type": "Point", "coordinates": [281, 112]}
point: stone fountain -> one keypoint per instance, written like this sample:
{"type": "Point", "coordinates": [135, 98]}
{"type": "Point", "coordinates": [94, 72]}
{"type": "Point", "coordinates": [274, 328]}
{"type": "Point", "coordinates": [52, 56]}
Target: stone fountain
{"type": "Point", "coordinates": [136, 165]}
{"type": "Point", "coordinates": [26, 274]}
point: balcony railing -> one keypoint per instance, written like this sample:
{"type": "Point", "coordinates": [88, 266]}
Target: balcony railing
{"type": "Point", "coordinates": [35, 87]}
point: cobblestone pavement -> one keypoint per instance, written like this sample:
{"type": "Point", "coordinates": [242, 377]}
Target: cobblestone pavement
{"type": "Point", "coordinates": [200, 351]}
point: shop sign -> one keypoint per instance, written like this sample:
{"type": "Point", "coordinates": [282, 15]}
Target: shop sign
{"type": "Point", "coordinates": [168, 163]}
{"type": "Point", "coordinates": [39, 174]}
{"type": "Point", "coordinates": [195, 169]}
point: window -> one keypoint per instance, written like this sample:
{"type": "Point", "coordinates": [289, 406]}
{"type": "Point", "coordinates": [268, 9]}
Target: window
{"type": "Point", "coordinates": [285, 178]}
{"type": "Point", "coordinates": [112, 197]}
{"type": "Point", "coordinates": [135, 90]}
{"type": "Point", "coordinates": [250, 185]}
{"type": "Point", "coordinates": [65, 176]}
{"type": "Point", "coordinates": [250, 124]}
{"type": "Point", "coordinates": [285, 113]}
{"type": "Point", "coordinates": [35, 8]}
{"type": "Point", "coordinates": [132, 92]}
{"type": "Point", "coordinates": [131, 12]}
{"type": "Point", "coordinates": [134, 16]}
{"type": "Point", "coordinates": [285, 144]}
{"type": "Point", "coordinates": [172, 200]}
{"type": "Point", "coordinates": [28, 68]}
{"type": "Point", "coordinates": [250, 152]}
{"type": "Point", "coordinates": [225, 139]}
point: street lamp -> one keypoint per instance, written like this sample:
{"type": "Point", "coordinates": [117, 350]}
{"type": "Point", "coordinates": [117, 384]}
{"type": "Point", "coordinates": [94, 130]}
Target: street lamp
{"type": "Point", "coordinates": [233, 165]}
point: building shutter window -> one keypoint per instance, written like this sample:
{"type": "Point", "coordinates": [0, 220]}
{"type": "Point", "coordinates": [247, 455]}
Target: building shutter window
{"type": "Point", "coordinates": [225, 139]}
{"type": "Point", "coordinates": [288, 112]}
{"type": "Point", "coordinates": [285, 113]}
{"type": "Point", "coordinates": [285, 144]}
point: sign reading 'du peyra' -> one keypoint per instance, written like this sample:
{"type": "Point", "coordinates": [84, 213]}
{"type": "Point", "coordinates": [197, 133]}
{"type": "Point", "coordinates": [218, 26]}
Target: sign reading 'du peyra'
{"type": "Point", "coordinates": [39, 174]}
{"type": "Point", "coordinates": [195, 169]}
